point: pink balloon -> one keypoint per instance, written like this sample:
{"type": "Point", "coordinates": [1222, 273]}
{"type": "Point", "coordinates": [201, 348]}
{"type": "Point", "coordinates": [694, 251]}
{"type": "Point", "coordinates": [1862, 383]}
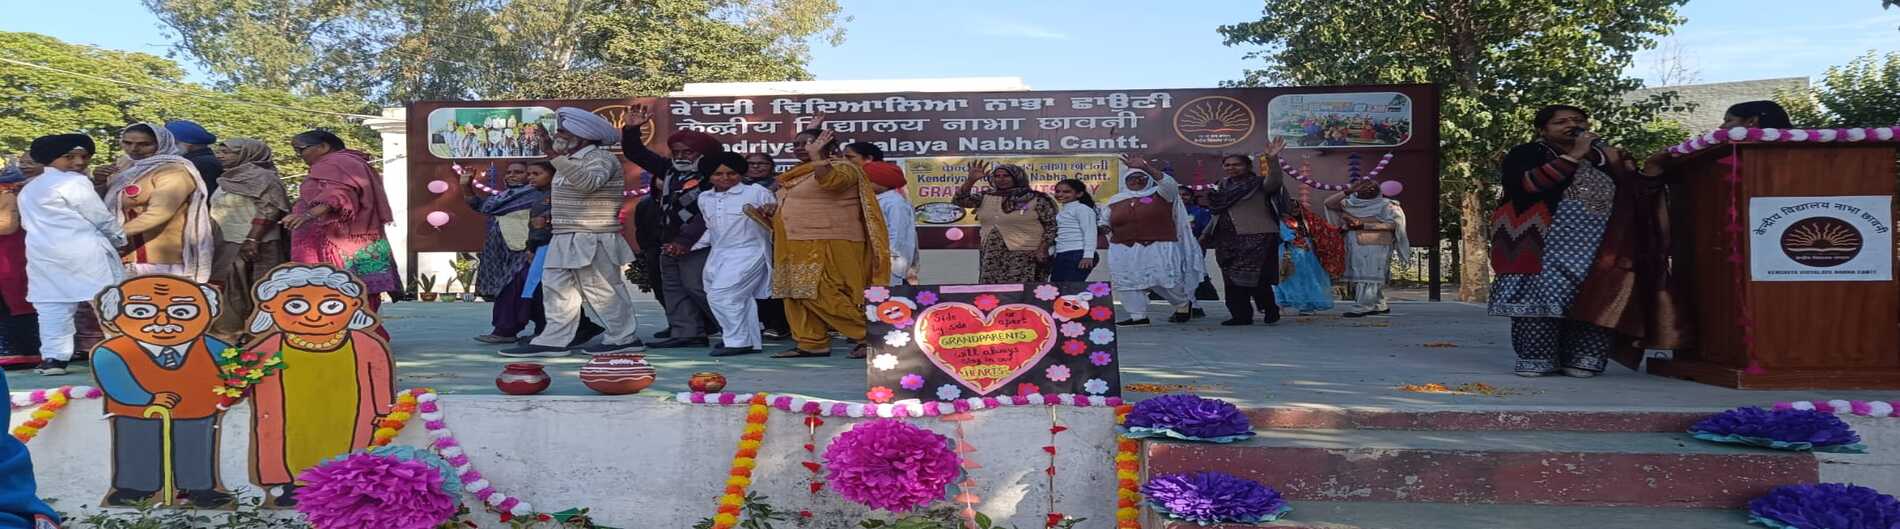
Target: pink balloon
{"type": "Point", "coordinates": [955, 234]}
{"type": "Point", "coordinates": [438, 218]}
{"type": "Point", "coordinates": [1391, 188]}
{"type": "Point", "coordinates": [438, 186]}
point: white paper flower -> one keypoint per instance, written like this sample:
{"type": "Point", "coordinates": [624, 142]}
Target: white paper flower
{"type": "Point", "coordinates": [1102, 336]}
{"type": "Point", "coordinates": [1770, 134]}
{"type": "Point", "coordinates": [976, 403]}
{"type": "Point", "coordinates": [1879, 409]}
{"type": "Point", "coordinates": [945, 408]}
{"type": "Point", "coordinates": [522, 508]}
{"type": "Point", "coordinates": [1883, 133]}
{"type": "Point", "coordinates": [884, 362]}
{"type": "Point", "coordinates": [948, 392]}
{"type": "Point", "coordinates": [1840, 406]}
{"type": "Point", "coordinates": [886, 410]}
{"type": "Point", "coordinates": [1803, 405]}
{"type": "Point", "coordinates": [1825, 135]}
{"type": "Point", "coordinates": [1047, 292]}
{"type": "Point", "coordinates": [854, 411]}
{"type": "Point", "coordinates": [1737, 134]}
{"type": "Point", "coordinates": [1797, 135]}
{"type": "Point", "coordinates": [1095, 386]}
{"type": "Point", "coordinates": [1035, 399]}
{"type": "Point", "coordinates": [1073, 329]}
{"type": "Point", "coordinates": [1856, 134]}
{"type": "Point", "coordinates": [897, 338]}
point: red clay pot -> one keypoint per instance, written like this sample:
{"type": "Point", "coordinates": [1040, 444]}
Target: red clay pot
{"type": "Point", "coordinates": [523, 379]}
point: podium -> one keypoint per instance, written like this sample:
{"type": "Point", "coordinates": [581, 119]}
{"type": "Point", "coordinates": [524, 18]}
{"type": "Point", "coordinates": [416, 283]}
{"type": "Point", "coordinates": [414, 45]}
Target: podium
{"type": "Point", "coordinates": [1823, 316]}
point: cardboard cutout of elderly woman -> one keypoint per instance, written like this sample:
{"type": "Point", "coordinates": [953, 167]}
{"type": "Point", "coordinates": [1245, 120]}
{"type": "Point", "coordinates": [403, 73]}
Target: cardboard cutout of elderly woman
{"type": "Point", "coordinates": [337, 378]}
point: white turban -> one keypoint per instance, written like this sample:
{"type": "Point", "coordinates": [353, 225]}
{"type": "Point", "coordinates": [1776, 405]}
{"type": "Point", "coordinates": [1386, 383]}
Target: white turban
{"type": "Point", "coordinates": [587, 125]}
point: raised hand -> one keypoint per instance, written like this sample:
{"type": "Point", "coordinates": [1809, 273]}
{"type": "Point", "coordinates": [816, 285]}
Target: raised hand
{"type": "Point", "coordinates": [638, 115]}
{"type": "Point", "coordinates": [817, 146]}
{"type": "Point", "coordinates": [978, 170]}
{"type": "Point", "coordinates": [1275, 147]}
{"type": "Point", "coordinates": [1135, 161]}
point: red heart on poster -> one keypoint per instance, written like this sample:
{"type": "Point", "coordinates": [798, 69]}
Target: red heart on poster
{"type": "Point", "coordinates": [985, 351]}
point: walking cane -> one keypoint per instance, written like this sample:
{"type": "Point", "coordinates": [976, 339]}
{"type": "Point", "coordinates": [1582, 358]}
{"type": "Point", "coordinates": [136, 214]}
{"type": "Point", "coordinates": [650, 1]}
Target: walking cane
{"type": "Point", "coordinates": [168, 494]}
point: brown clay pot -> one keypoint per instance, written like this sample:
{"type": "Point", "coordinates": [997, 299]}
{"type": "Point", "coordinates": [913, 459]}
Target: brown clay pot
{"type": "Point", "coordinates": [706, 382]}
{"type": "Point", "coordinates": [617, 374]}
{"type": "Point", "coordinates": [523, 379]}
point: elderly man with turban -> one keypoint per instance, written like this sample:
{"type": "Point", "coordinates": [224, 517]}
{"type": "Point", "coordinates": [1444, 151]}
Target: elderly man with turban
{"type": "Point", "coordinates": [585, 255]}
{"type": "Point", "coordinates": [900, 220]}
{"type": "Point", "coordinates": [197, 142]}
{"type": "Point", "coordinates": [72, 243]}
{"type": "Point", "coordinates": [676, 187]}
{"type": "Point", "coordinates": [828, 244]}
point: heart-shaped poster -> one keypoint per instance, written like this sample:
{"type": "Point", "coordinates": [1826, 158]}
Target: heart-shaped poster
{"type": "Point", "coordinates": [984, 352]}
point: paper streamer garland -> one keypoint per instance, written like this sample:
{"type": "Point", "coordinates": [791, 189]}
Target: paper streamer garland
{"type": "Point", "coordinates": [1303, 174]}
{"type": "Point", "coordinates": [966, 493]}
{"type": "Point", "coordinates": [1127, 476]}
{"type": "Point", "coordinates": [1738, 265]}
{"type": "Point", "coordinates": [1055, 428]}
{"type": "Point", "coordinates": [834, 408]}
{"type": "Point", "coordinates": [49, 403]}
{"type": "Point", "coordinates": [743, 461]}
{"type": "Point", "coordinates": [1865, 408]}
{"type": "Point", "coordinates": [1766, 135]}
{"type": "Point", "coordinates": [421, 402]}
{"type": "Point", "coordinates": [814, 483]}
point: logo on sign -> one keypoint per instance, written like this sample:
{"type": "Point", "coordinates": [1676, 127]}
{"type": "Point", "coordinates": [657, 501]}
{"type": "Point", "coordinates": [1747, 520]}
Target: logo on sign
{"type": "Point", "coordinates": [1213, 121]}
{"type": "Point", "coordinates": [617, 115]}
{"type": "Point", "coordinates": [1821, 242]}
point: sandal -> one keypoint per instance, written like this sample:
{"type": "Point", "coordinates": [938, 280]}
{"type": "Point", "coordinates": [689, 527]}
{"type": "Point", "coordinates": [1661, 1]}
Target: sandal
{"type": "Point", "coordinates": [800, 353]}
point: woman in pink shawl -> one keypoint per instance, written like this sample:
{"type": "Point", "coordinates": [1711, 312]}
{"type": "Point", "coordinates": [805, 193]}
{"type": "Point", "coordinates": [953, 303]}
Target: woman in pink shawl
{"type": "Point", "coordinates": [340, 213]}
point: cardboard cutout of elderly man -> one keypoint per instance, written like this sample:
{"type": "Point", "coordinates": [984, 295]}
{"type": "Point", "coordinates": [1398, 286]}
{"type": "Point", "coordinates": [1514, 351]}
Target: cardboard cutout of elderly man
{"type": "Point", "coordinates": [158, 373]}
{"type": "Point", "coordinates": [337, 379]}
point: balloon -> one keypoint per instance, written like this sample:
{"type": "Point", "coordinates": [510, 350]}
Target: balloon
{"type": "Point", "coordinates": [1391, 188]}
{"type": "Point", "coordinates": [438, 186]}
{"type": "Point", "coordinates": [438, 218]}
{"type": "Point", "coordinates": [954, 234]}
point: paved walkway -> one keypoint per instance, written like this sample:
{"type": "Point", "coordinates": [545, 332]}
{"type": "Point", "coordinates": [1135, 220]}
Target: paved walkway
{"type": "Point", "coordinates": [1322, 360]}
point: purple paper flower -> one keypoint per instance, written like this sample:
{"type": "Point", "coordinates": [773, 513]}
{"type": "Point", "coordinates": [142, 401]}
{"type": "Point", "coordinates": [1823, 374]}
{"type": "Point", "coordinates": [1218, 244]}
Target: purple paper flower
{"type": "Point", "coordinates": [1787, 426]}
{"type": "Point", "coordinates": [926, 298]}
{"type": "Point", "coordinates": [1101, 358]}
{"type": "Point", "coordinates": [1826, 506]}
{"type": "Point", "coordinates": [1213, 497]}
{"type": "Point", "coordinates": [1099, 289]}
{"type": "Point", "coordinates": [889, 464]}
{"type": "Point", "coordinates": [371, 490]}
{"type": "Point", "coordinates": [1191, 416]}
{"type": "Point", "coordinates": [911, 381]}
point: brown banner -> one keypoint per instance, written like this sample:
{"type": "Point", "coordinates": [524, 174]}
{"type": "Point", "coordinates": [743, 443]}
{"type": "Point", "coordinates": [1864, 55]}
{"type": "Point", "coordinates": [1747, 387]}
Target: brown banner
{"type": "Point", "coordinates": [1073, 133]}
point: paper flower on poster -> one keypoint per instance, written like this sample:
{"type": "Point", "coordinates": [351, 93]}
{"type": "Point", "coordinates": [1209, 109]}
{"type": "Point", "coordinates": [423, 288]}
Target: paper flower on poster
{"type": "Point", "coordinates": [1825, 506]}
{"type": "Point", "coordinates": [912, 382]}
{"type": "Point", "coordinates": [1095, 386]}
{"type": "Point", "coordinates": [1074, 347]}
{"type": "Point", "coordinates": [1102, 336]}
{"type": "Point", "coordinates": [877, 294]}
{"type": "Point", "coordinates": [1099, 289]}
{"type": "Point", "coordinates": [396, 487]}
{"type": "Point", "coordinates": [1101, 358]}
{"type": "Point", "coordinates": [1796, 430]}
{"type": "Point", "coordinates": [1188, 417]}
{"type": "Point", "coordinates": [985, 302]}
{"type": "Point", "coordinates": [926, 298]}
{"type": "Point", "coordinates": [1057, 373]}
{"type": "Point", "coordinates": [896, 338]}
{"type": "Point", "coordinates": [1073, 329]}
{"type": "Point", "coordinates": [1101, 313]}
{"type": "Point", "coordinates": [948, 392]}
{"type": "Point", "coordinates": [884, 362]}
{"type": "Point", "coordinates": [1047, 292]}
{"type": "Point", "coordinates": [879, 394]}
{"type": "Point", "coordinates": [891, 465]}
{"type": "Point", "coordinates": [1208, 498]}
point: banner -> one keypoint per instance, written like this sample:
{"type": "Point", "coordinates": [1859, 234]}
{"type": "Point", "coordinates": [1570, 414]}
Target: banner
{"type": "Point", "coordinates": [1820, 238]}
{"type": "Point", "coordinates": [949, 342]}
{"type": "Point", "coordinates": [1183, 131]}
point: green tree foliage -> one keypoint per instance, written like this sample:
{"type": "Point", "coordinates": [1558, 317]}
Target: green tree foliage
{"type": "Point", "coordinates": [37, 102]}
{"type": "Point", "coordinates": [1864, 92]}
{"type": "Point", "coordinates": [1495, 61]}
{"type": "Point", "coordinates": [392, 51]}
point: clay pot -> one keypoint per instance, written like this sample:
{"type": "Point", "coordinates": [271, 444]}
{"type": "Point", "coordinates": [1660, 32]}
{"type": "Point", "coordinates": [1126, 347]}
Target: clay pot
{"type": "Point", "coordinates": [523, 379]}
{"type": "Point", "coordinates": [706, 382]}
{"type": "Point", "coordinates": [617, 374]}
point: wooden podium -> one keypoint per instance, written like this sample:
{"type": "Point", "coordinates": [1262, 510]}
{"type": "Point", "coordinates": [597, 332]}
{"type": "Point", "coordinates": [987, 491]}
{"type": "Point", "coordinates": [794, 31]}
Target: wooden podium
{"type": "Point", "coordinates": [1807, 334]}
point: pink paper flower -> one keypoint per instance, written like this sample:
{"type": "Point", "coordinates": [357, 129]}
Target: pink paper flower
{"type": "Point", "coordinates": [1026, 388]}
{"type": "Point", "coordinates": [1073, 347]}
{"type": "Point", "coordinates": [368, 490]}
{"type": "Point", "coordinates": [985, 302]}
{"type": "Point", "coordinates": [877, 294]}
{"type": "Point", "coordinates": [1101, 358]}
{"type": "Point", "coordinates": [1073, 329]}
{"type": "Point", "coordinates": [1099, 289]}
{"type": "Point", "coordinates": [889, 464]}
{"type": "Point", "coordinates": [1057, 373]}
{"type": "Point", "coordinates": [911, 382]}
{"type": "Point", "coordinates": [926, 298]}
{"type": "Point", "coordinates": [1047, 292]}
{"type": "Point", "coordinates": [879, 394]}
{"type": "Point", "coordinates": [1101, 313]}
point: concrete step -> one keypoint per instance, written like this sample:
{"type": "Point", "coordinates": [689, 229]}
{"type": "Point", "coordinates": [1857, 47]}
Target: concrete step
{"type": "Point", "coordinates": [1475, 419]}
{"type": "Point", "coordinates": [1383, 515]}
{"type": "Point", "coordinates": [1519, 468]}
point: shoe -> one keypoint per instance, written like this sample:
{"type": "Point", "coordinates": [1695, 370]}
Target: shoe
{"type": "Point", "coordinates": [735, 351]}
{"type": "Point", "coordinates": [1578, 373]}
{"type": "Point", "coordinates": [285, 498]}
{"type": "Point", "coordinates": [41, 521]}
{"type": "Point", "coordinates": [530, 350]}
{"type": "Point", "coordinates": [586, 333]}
{"type": "Point", "coordinates": [1132, 323]}
{"type": "Point", "coordinates": [1531, 374]}
{"type": "Point", "coordinates": [495, 339]}
{"type": "Point", "coordinates": [775, 334]}
{"type": "Point", "coordinates": [1198, 312]}
{"type": "Point", "coordinates": [1380, 312]}
{"type": "Point", "coordinates": [51, 367]}
{"type": "Point", "coordinates": [662, 335]}
{"type": "Point", "coordinates": [676, 343]}
{"type": "Point", "coordinates": [128, 498]}
{"type": "Point", "coordinates": [1355, 314]}
{"type": "Point", "coordinates": [634, 346]}
{"type": "Point", "coordinates": [1236, 322]}
{"type": "Point", "coordinates": [1181, 317]}
{"type": "Point", "coordinates": [208, 499]}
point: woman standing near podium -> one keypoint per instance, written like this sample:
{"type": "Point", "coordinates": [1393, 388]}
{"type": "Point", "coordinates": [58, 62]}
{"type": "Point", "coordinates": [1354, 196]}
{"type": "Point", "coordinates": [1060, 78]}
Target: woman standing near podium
{"type": "Point", "coordinates": [1580, 246]}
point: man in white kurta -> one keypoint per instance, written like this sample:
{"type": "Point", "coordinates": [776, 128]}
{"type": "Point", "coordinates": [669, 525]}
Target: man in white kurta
{"type": "Point", "coordinates": [72, 244]}
{"type": "Point", "coordinates": [739, 267]}
{"type": "Point", "coordinates": [900, 220]}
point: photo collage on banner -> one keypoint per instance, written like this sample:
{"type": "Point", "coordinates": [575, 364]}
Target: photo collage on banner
{"type": "Point", "coordinates": [949, 342]}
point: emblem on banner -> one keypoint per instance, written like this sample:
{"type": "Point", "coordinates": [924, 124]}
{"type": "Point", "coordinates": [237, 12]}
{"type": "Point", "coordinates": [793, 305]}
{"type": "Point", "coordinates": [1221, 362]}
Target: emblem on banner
{"type": "Point", "coordinates": [1821, 242]}
{"type": "Point", "coordinates": [1213, 121]}
{"type": "Point", "coordinates": [617, 115]}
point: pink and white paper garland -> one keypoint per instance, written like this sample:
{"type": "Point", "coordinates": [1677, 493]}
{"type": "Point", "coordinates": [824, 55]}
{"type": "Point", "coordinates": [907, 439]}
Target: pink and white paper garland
{"type": "Point", "coordinates": [28, 399]}
{"type": "Point", "coordinates": [834, 408]}
{"type": "Point", "coordinates": [444, 443]}
{"type": "Point", "coordinates": [1867, 408]}
{"type": "Point", "coordinates": [1770, 135]}
{"type": "Point", "coordinates": [1310, 182]}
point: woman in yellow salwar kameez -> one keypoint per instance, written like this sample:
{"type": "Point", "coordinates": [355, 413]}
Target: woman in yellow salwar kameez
{"type": "Point", "coordinates": [828, 245]}
{"type": "Point", "coordinates": [337, 379]}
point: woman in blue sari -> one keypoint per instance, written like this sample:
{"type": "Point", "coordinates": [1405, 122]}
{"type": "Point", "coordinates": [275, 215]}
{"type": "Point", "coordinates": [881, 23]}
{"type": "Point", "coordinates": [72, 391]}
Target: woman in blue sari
{"type": "Point", "coordinates": [1306, 288]}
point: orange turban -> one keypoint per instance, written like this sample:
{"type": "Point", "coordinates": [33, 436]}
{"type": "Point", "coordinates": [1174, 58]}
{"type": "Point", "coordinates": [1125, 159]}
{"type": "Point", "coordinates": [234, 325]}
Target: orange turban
{"type": "Point", "coordinates": [885, 174]}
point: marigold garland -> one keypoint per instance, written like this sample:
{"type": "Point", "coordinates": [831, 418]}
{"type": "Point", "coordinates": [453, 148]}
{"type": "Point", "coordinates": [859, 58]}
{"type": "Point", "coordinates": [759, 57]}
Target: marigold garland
{"type": "Point", "coordinates": [48, 403]}
{"type": "Point", "coordinates": [1127, 476]}
{"type": "Point", "coordinates": [743, 461]}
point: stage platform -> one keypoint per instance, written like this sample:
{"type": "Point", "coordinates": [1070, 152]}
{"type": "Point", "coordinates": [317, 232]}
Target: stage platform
{"type": "Point", "coordinates": [1305, 361]}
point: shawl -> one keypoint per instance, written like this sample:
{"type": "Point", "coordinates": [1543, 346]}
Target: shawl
{"type": "Point", "coordinates": [1017, 196]}
{"type": "Point", "coordinates": [1193, 259]}
{"type": "Point", "coordinates": [877, 243]}
{"type": "Point", "coordinates": [198, 243]}
{"type": "Point", "coordinates": [1630, 287]}
{"type": "Point", "coordinates": [1232, 189]}
{"type": "Point", "coordinates": [347, 172]}
{"type": "Point", "coordinates": [1385, 210]}
{"type": "Point", "coordinates": [255, 174]}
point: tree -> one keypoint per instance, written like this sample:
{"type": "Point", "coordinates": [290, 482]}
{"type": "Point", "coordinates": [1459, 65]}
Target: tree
{"type": "Point", "coordinates": [1496, 62]}
{"type": "Point", "coordinates": [148, 88]}
{"type": "Point", "coordinates": [391, 51]}
{"type": "Point", "coordinates": [1671, 65]}
{"type": "Point", "coordinates": [1864, 92]}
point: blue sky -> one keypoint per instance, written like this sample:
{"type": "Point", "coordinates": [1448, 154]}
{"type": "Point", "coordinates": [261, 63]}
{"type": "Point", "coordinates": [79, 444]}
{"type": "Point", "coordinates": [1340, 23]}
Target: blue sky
{"type": "Point", "coordinates": [1082, 44]}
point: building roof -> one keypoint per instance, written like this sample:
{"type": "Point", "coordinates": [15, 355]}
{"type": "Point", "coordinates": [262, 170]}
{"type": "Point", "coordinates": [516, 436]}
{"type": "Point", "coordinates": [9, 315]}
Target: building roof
{"type": "Point", "coordinates": [1712, 99]}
